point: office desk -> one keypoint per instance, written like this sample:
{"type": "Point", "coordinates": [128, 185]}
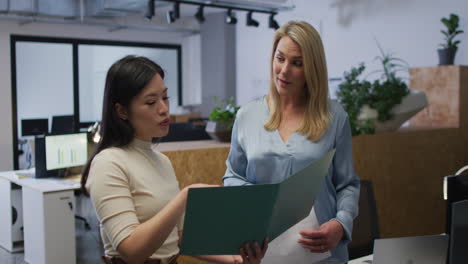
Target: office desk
{"type": "Point", "coordinates": [362, 260]}
{"type": "Point", "coordinates": [48, 218]}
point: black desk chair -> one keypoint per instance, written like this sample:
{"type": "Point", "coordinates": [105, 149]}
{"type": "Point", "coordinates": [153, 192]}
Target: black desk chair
{"type": "Point", "coordinates": [87, 226]}
{"type": "Point", "coordinates": [366, 224]}
{"type": "Point", "coordinates": [456, 190]}
{"type": "Point", "coordinates": [77, 193]}
{"type": "Point", "coordinates": [456, 217]}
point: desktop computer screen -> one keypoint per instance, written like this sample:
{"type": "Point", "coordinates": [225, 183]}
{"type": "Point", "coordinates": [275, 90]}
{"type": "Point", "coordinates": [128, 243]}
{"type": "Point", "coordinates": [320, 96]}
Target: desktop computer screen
{"type": "Point", "coordinates": [65, 151]}
{"type": "Point", "coordinates": [33, 127]}
{"type": "Point", "coordinates": [63, 124]}
{"type": "Point", "coordinates": [58, 152]}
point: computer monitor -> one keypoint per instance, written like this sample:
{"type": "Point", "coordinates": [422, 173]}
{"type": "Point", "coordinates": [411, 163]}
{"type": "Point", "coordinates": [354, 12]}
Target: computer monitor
{"type": "Point", "coordinates": [33, 127]}
{"type": "Point", "coordinates": [459, 233]}
{"type": "Point", "coordinates": [63, 124]}
{"type": "Point", "coordinates": [55, 153]}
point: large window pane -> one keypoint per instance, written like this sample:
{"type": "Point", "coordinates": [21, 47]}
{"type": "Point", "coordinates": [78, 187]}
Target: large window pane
{"type": "Point", "coordinates": [94, 62]}
{"type": "Point", "coordinates": [44, 80]}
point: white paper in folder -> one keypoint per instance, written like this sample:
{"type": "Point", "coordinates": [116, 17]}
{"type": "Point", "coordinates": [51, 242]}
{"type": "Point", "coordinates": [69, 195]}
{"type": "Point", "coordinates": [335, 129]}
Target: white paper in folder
{"type": "Point", "coordinates": [285, 249]}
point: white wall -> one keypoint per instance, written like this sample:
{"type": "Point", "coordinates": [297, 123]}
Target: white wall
{"type": "Point", "coordinates": [218, 47]}
{"type": "Point", "coordinates": [191, 55]}
{"type": "Point", "coordinates": [409, 29]}
{"type": "Point", "coordinates": [67, 31]}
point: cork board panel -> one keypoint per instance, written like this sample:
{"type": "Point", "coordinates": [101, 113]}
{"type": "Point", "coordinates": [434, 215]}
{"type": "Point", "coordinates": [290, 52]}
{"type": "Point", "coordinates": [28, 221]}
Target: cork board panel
{"type": "Point", "coordinates": [199, 165]}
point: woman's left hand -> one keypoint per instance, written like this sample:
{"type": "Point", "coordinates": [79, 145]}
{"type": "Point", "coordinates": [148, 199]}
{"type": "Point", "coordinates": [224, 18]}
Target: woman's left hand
{"type": "Point", "coordinates": [327, 237]}
{"type": "Point", "coordinates": [252, 253]}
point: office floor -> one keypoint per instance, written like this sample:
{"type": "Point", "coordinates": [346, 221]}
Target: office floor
{"type": "Point", "coordinates": [88, 246]}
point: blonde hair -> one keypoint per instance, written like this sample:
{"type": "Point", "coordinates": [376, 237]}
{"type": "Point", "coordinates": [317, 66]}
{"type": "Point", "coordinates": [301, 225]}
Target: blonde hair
{"type": "Point", "coordinates": [316, 116]}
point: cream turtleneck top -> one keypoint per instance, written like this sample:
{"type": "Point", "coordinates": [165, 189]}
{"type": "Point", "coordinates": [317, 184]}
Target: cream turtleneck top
{"type": "Point", "coordinates": [128, 186]}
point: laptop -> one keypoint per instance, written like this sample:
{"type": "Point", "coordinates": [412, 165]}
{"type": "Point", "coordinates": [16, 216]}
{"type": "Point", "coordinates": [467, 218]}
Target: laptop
{"type": "Point", "coordinates": [411, 250]}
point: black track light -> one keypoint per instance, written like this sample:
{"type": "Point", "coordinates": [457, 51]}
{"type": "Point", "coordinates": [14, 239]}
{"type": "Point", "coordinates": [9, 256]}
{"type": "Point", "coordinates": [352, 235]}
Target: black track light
{"type": "Point", "coordinates": [230, 18]}
{"type": "Point", "coordinates": [174, 14]}
{"type": "Point", "coordinates": [150, 10]}
{"type": "Point", "coordinates": [272, 23]}
{"type": "Point", "coordinates": [250, 21]}
{"type": "Point", "coordinates": [199, 14]}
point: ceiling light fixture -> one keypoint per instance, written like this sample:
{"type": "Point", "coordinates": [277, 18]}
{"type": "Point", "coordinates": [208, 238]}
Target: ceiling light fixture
{"type": "Point", "coordinates": [250, 21]}
{"type": "Point", "coordinates": [174, 14]}
{"type": "Point", "coordinates": [272, 23]}
{"type": "Point", "coordinates": [199, 14]}
{"type": "Point", "coordinates": [150, 10]}
{"type": "Point", "coordinates": [230, 17]}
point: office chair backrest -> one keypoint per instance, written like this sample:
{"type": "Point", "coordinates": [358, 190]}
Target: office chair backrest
{"type": "Point", "coordinates": [366, 225]}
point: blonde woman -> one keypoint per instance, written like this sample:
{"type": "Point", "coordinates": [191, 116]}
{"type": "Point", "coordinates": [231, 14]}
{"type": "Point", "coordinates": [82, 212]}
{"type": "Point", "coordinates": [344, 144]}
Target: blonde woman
{"type": "Point", "coordinates": [294, 125]}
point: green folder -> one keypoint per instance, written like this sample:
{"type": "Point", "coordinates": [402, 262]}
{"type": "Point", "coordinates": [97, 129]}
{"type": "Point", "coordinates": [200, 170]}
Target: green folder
{"type": "Point", "coordinates": [218, 221]}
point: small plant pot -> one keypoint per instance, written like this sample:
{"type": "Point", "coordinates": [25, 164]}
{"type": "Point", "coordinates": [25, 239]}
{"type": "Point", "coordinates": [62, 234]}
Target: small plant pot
{"type": "Point", "coordinates": [220, 131]}
{"type": "Point", "coordinates": [446, 56]}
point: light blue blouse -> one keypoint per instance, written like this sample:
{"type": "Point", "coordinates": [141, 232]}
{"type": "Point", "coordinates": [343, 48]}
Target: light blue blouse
{"type": "Point", "coordinates": [258, 156]}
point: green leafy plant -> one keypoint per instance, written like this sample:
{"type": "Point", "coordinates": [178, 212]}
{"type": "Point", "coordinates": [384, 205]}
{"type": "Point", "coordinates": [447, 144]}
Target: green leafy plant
{"type": "Point", "coordinates": [452, 31]}
{"type": "Point", "coordinates": [225, 111]}
{"type": "Point", "coordinates": [382, 94]}
{"type": "Point", "coordinates": [390, 89]}
{"type": "Point", "coordinates": [353, 94]}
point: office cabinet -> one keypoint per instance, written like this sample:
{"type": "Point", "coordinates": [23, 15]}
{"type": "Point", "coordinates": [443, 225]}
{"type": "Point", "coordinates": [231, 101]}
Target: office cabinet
{"type": "Point", "coordinates": [49, 226]}
{"type": "Point", "coordinates": [11, 226]}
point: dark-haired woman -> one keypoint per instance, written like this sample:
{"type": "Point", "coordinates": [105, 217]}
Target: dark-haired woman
{"type": "Point", "coordinates": [132, 185]}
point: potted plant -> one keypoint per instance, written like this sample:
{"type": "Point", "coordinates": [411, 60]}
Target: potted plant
{"type": "Point", "coordinates": [353, 94]}
{"type": "Point", "coordinates": [221, 119]}
{"type": "Point", "coordinates": [383, 105]}
{"type": "Point", "coordinates": [449, 48]}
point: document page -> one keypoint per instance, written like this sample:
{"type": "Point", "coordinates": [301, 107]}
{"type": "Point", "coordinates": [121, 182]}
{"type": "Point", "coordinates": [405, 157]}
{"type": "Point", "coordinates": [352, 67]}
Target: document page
{"type": "Point", "coordinates": [285, 249]}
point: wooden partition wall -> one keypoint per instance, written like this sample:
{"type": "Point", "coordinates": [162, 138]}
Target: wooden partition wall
{"type": "Point", "coordinates": [406, 169]}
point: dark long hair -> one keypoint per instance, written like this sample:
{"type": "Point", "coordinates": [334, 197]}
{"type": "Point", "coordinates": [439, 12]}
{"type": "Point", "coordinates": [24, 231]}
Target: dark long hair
{"type": "Point", "coordinates": [125, 79]}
